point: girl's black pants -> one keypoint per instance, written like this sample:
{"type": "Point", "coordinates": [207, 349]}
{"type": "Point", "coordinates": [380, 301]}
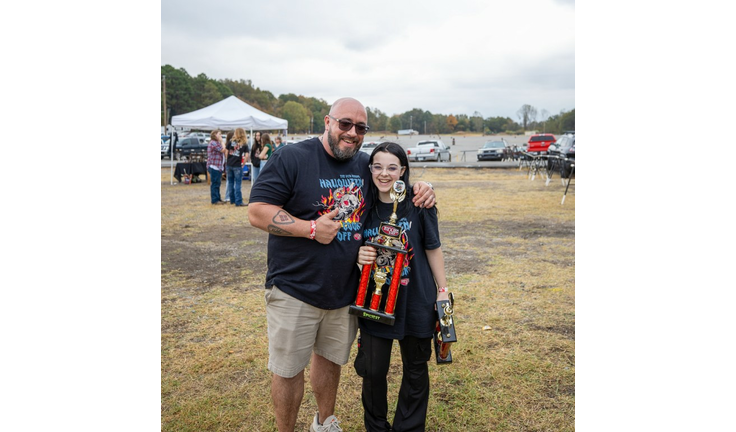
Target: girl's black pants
{"type": "Point", "coordinates": [372, 363]}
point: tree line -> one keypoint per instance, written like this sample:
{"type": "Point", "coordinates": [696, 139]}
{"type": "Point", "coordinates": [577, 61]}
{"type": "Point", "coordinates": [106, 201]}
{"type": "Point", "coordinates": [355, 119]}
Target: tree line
{"type": "Point", "coordinates": [185, 93]}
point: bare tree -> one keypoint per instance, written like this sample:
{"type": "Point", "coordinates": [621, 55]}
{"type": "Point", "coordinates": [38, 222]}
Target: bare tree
{"type": "Point", "coordinates": [478, 120]}
{"type": "Point", "coordinates": [545, 116]}
{"type": "Point", "coordinates": [527, 114]}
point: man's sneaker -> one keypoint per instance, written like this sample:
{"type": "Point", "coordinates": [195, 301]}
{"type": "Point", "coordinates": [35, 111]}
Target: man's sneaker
{"type": "Point", "coordinates": [331, 424]}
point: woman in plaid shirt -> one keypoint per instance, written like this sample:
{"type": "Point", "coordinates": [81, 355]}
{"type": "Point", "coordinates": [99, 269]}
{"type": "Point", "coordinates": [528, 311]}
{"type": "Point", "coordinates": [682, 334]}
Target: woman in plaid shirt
{"type": "Point", "coordinates": [215, 165]}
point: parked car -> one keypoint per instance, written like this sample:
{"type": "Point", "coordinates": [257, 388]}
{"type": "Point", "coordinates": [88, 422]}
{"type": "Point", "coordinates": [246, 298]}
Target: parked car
{"type": "Point", "coordinates": [564, 146]}
{"type": "Point", "coordinates": [368, 146]}
{"type": "Point", "coordinates": [562, 155]}
{"type": "Point", "coordinates": [431, 150]}
{"type": "Point", "coordinates": [204, 138]}
{"type": "Point", "coordinates": [492, 150]}
{"type": "Point", "coordinates": [165, 147]}
{"type": "Point", "coordinates": [539, 143]}
{"type": "Point", "coordinates": [188, 146]}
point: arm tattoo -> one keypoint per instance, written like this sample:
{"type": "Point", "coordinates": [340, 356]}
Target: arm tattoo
{"type": "Point", "coordinates": [273, 229]}
{"type": "Point", "coordinates": [283, 218]}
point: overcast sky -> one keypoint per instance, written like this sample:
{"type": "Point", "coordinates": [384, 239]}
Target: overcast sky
{"type": "Point", "coordinates": [457, 57]}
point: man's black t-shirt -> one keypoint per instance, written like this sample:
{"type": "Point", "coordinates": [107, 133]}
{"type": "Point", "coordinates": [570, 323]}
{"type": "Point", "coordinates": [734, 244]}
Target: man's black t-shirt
{"type": "Point", "coordinates": [307, 182]}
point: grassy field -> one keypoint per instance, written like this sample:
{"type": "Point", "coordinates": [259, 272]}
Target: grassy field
{"type": "Point", "coordinates": [509, 248]}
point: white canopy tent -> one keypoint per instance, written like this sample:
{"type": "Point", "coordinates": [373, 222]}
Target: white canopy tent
{"type": "Point", "coordinates": [229, 114]}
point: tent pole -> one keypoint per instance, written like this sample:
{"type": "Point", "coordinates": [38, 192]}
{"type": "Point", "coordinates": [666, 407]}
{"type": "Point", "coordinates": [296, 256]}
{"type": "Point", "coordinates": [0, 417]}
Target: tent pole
{"type": "Point", "coordinates": [171, 147]}
{"type": "Point", "coordinates": [253, 137]}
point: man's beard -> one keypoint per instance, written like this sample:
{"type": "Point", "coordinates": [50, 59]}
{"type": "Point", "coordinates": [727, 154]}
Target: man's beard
{"type": "Point", "coordinates": [340, 154]}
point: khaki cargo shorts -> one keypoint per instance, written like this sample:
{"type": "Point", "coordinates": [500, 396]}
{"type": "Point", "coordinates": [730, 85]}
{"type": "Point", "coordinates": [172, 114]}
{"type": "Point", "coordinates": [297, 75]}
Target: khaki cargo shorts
{"type": "Point", "coordinates": [295, 329]}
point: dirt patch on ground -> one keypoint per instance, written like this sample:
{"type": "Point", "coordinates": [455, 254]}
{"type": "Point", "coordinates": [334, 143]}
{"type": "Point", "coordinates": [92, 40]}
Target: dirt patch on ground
{"type": "Point", "coordinates": [209, 254]}
{"type": "Point", "coordinates": [215, 257]}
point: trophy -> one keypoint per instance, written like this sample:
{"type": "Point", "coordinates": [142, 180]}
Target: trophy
{"type": "Point", "coordinates": [445, 333]}
{"type": "Point", "coordinates": [388, 244]}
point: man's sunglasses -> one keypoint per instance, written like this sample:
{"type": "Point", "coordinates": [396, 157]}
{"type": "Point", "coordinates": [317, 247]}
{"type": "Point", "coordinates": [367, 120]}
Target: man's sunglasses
{"type": "Point", "coordinates": [346, 125]}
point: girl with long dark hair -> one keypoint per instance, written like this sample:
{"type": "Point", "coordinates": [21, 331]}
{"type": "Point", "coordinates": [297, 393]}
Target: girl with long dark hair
{"type": "Point", "coordinates": [423, 282]}
{"type": "Point", "coordinates": [255, 150]}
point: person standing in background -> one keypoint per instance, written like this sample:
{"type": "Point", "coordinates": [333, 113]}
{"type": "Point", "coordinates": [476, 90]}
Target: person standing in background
{"type": "Point", "coordinates": [267, 150]}
{"type": "Point", "coordinates": [277, 144]}
{"type": "Point", "coordinates": [255, 151]}
{"type": "Point", "coordinates": [228, 197]}
{"type": "Point", "coordinates": [215, 165]}
{"type": "Point", "coordinates": [237, 148]}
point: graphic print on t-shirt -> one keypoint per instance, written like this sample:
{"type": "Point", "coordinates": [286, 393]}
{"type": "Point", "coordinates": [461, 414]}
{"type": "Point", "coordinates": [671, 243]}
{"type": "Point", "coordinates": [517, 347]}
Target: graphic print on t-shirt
{"type": "Point", "coordinates": [346, 195]}
{"type": "Point", "coordinates": [386, 258]}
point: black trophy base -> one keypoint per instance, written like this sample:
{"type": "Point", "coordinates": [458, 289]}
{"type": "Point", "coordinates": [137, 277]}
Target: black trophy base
{"type": "Point", "coordinates": [438, 349]}
{"type": "Point", "coordinates": [371, 315]}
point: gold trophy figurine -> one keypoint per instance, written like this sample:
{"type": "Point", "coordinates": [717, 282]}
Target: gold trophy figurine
{"type": "Point", "coordinates": [388, 239]}
{"type": "Point", "coordinates": [379, 277]}
{"type": "Point", "coordinates": [445, 333]}
{"type": "Point", "coordinates": [398, 193]}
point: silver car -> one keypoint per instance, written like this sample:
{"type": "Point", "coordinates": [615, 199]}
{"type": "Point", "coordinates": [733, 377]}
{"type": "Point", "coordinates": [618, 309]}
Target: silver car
{"type": "Point", "coordinates": [492, 150]}
{"type": "Point", "coordinates": [368, 146]}
{"type": "Point", "coordinates": [430, 150]}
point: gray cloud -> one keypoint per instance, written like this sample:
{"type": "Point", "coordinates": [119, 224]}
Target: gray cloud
{"type": "Point", "coordinates": [478, 55]}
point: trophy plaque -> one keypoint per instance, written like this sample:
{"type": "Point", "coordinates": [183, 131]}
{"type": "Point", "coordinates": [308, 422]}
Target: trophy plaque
{"type": "Point", "coordinates": [445, 333]}
{"type": "Point", "coordinates": [390, 261]}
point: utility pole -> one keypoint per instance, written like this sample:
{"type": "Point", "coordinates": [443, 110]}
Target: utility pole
{"type": "Point", "coordinates": [171, 137]}
{"type": "Point", "coordinates": [165, 117]}
{"type": "Point", "coordinates": [410, 117]}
